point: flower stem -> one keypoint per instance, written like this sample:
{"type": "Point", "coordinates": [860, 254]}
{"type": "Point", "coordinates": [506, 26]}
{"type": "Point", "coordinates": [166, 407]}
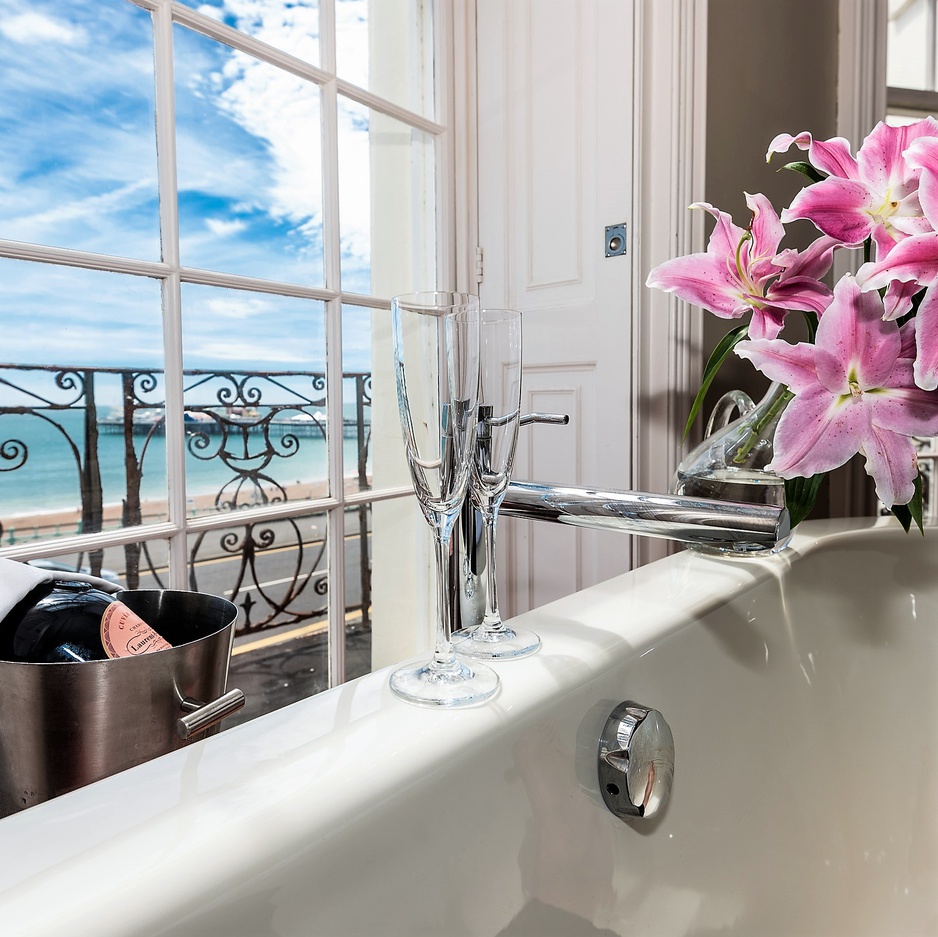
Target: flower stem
{"type": "Point", "coordinates": [759, 424]}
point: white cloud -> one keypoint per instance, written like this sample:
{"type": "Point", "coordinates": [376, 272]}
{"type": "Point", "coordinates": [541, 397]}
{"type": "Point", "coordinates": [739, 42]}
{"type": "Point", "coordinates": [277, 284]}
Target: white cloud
{"type": "Point", "coordinates": [220, 349]}
{"type": "Point", "coordinates": [223, 228]}
{"type": "Point", "coordinates": [283, 110]}
{"type": "Point", "coordinates": [36, 28]}
{"type": "Point", "coordinates": [234, 306]}
{"type": "Point", "coordinates": [86, 207]}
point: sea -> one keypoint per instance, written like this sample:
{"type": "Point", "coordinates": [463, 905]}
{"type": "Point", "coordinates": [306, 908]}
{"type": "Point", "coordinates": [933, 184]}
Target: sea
{"type": "Point", "coordinates": [39, 462]}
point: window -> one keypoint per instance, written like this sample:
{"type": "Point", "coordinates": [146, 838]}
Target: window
{"type": "Point", "coordinates": [204, 210]}
{"type": "Point", "coordinates": [911, 95]}
{"type": "Point", "coordinates": [911, 64]}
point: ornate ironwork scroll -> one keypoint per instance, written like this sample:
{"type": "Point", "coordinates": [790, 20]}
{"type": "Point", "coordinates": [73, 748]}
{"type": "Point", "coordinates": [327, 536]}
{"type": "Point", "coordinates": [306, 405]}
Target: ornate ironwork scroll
{"type": "Point", "coordinates": [263, 433]}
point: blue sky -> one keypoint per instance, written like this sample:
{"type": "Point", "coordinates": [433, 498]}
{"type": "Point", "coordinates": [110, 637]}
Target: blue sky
{"type": "Point", "coordinates": [78, 169]}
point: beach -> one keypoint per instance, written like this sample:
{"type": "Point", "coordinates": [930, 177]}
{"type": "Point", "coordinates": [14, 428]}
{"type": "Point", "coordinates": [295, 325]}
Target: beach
{"type": "Point", "coordinates": [27, 525]}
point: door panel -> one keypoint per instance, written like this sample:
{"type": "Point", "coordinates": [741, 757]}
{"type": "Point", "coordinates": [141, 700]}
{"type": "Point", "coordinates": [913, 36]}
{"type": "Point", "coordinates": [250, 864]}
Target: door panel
{"type": "Point", "coordinates": [555, 115]}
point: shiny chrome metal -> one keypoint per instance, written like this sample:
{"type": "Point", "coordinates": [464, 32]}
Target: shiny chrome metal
{"type": "Point", "coordinates": [672, 517]}
{"type": "Point", "coordinates": [65, 725]}
{"type": "Point", "coordinates": [636, 761]}
{"type": "Point", "coordinates": [555, 419]}
{"type": "Point", "coordinates": [202, 716]}
{"type": "Point", "coordinates": [467, 570]}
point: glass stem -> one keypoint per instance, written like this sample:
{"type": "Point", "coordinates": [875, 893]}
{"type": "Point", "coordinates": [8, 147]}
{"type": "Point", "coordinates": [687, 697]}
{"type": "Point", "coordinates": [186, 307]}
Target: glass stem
{"type": "Point", "coordinates": [493, 619]}
{"type": "Point", "coordinates": [444, 657]}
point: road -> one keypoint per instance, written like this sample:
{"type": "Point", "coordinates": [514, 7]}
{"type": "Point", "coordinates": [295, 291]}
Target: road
{"type": "Point", "coordinates": [285, 552]}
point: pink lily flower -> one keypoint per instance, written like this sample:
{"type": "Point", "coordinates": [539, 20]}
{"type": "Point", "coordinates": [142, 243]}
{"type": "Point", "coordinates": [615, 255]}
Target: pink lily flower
{"type": "Point", "coordinates": [873, 195]}
{"type": "Point", "coordinates": [742, 271]}
{"type": "Point", "coordinates": [911, 266]}
{"type": "Point", "coordinates": [854, 392]}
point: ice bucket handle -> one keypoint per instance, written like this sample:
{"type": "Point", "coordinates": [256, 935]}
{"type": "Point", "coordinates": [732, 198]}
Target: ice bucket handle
{"type": "Point", "coordinates": [201, 716]}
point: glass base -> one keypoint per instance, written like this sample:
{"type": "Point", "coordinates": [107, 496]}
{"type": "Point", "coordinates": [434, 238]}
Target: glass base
{"type": "Point", "coordinates": [503, 644]}
{"type": "Point", "coordinates": [455, 684]}
{"type": "Point", "coordinates": [741, 549]}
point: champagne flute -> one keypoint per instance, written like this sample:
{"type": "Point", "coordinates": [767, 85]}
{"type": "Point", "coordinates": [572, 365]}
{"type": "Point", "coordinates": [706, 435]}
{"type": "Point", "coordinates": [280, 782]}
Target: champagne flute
{"type": "Point", "coordinates": [494, 454]}
{"type": "Point", "coordinates": [436, 362]}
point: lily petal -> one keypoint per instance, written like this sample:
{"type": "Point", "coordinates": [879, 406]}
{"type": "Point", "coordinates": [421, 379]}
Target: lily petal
{"type": "Point", "coordinates": [814, 261]}
{"type": "Point", "coordinates": [926, 341]}
{"type": "Point", "coordinates": [831, 156]}
{"type": "Point", "coordinates": [766, 322]}
{"type": "Point", "coordinates": [892, 462]}
{"type": "Point", "coordinates": [880, 159]}
{"type": "Point", "coordinates": [767, 230]}
{"type": "Point", "coordinates": [817, 433]}
{"type": "Point", "coordinates": [898, 299]}
{"type": "Point", "coordinates": [839, 208]}
{"type": "Point", "coordinates": [909, 411]}
{"type": "Point", "coordinates": [915, 258]}
{"type": "Point", "coordinates": [923, 154]}
{"type": "Point", "coordinates": [779, 361]}
{"type": "Point", "coordinates": [907, 336]}
{"type": "Point", "coordinates": [855, 336]}
{"type": "Point", "coordinates": [803, 293]}
{"type": "Point", "coordinates": [725, 237]}
{"type": "Point", "coordinates": [701, 279]}
{"type": "Point", "coordinates": [784, 141]}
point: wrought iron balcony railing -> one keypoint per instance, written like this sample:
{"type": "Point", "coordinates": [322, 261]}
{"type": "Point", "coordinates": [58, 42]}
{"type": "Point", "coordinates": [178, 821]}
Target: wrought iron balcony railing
{"type": "Point", "coordinates": [97, 436]}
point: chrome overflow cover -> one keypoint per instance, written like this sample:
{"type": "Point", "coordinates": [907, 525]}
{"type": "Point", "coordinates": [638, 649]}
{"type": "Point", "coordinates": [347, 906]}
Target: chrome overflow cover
{"type": "Point", "coordinates": [636, 761]}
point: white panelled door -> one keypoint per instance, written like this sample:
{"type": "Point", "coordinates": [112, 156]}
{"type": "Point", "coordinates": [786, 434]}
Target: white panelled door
{"type": "Point", "coordinates": [555, 168]}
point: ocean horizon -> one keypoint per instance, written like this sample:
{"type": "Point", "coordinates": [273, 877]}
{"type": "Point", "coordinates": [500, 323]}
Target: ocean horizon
{"type": "Point", "coordinates": [48, 481]}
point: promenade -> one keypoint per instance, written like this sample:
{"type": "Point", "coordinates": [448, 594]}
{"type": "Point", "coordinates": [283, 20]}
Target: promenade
{"type": "Point", "coordinates": [273, 667]}
{"type": "Point", "coordinates": [23, 526]}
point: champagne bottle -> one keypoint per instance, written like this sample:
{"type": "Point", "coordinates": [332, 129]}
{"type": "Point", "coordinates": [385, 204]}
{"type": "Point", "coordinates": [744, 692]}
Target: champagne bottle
{"type": "Point", "coordinates": [73, 621]}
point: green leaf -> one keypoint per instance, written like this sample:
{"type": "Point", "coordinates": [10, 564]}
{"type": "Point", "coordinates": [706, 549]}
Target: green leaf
{"type": "Point", "coordinates": [811, 319]}
{"type": "Point", "coordinates": [913, 511]}
{"type": "Point", "coordinates": [717, 357]}
{"type": "Point", "coordinates": [806, 169]}
{"type": "Point", "coordinates": [800, 495]}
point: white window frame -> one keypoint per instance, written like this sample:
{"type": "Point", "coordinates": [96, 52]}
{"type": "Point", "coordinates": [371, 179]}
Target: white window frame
{"type": "Point", "coordinates": [453, 217]}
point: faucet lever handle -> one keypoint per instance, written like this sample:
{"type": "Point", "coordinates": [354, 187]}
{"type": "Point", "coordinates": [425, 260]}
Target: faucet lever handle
{"type": "Point", "coordinates": [556, 419]}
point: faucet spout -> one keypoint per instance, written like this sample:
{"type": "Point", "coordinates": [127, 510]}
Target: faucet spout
{"type": "Point", "coordinates": [672, 517]}
{"type": "Point", "coordinates": [740, 527]}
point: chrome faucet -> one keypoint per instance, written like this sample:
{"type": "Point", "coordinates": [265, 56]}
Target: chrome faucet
{"type": "Point", "coordinates": [702, 521]}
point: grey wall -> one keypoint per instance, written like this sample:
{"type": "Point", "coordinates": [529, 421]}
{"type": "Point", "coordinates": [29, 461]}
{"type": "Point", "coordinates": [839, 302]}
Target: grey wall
{"type": "Point", "coordinates": [772, 68]}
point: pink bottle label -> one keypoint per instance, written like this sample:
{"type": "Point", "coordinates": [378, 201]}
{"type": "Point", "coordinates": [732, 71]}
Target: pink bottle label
{"type": "Point", "coordinates": [126, 634]}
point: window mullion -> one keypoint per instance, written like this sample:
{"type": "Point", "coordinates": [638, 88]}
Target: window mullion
{"type": "Point", "coordinates": [172, 312]}
{"type": "Point", "coordinates": [333, 275]}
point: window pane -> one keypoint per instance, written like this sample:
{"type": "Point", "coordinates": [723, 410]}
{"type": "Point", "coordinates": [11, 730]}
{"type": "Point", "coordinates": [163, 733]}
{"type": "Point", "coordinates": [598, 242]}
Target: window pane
{"type": "Point", "coordinates": [907, 43]}
{"type": "Point", "coordinates": [357, 591]}
{"type": "Point", "coordinates": [386, 46]}
{"type": "Point", "coordinates": [249, 164]}
{"type": "Point", "coordinates": [255, 398]}
{"type": "Point", "coordinates": [290, 25]}
{"type": "Point", "coordinates": [356, 399]}
{"type": "Point", "coordinates": [386, 203]}
{"type": "Point", "coordinates": [276, 573]}
{"type": "Point", "coordinates": [107, 564]}
{"type": "Point", "coordinates": [65, 181]}
{"type": "Point", "coordinates": [82, 360]}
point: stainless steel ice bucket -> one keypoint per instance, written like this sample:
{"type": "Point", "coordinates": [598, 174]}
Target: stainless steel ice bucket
{"type": "Point", "coordinates": [63, 725]}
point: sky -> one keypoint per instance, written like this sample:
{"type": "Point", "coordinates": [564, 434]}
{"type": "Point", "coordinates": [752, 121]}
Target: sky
{"type": "Point", "coordinates": [78, 169]}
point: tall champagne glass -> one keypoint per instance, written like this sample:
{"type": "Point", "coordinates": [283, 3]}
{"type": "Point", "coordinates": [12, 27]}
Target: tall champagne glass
{"type": "Point", "coordinates": [436, 360]}
{"type": "Point", "coordinates": [497, 438]}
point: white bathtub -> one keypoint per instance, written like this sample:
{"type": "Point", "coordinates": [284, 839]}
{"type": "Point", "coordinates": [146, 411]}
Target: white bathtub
{"type": "Point", "coordinates": [803, 700]}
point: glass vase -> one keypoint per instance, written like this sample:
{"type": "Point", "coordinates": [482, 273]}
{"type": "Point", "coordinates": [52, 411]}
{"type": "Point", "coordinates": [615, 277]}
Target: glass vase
{"type": "Point", "coordinates": [730, 463]}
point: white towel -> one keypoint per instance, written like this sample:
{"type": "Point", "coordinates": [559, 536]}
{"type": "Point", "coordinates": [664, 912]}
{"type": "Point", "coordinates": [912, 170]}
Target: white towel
{"type": "Point", "coordinates": [17, 580]}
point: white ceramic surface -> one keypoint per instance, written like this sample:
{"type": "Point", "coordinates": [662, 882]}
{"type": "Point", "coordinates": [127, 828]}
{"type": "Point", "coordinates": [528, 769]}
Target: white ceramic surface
{"type": "Point", "coordinates": [801, 690]}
